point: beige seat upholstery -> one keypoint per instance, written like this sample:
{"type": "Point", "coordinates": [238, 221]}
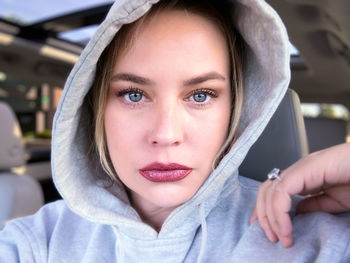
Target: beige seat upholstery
{"type": "Point", "coordinates": [20, 195]}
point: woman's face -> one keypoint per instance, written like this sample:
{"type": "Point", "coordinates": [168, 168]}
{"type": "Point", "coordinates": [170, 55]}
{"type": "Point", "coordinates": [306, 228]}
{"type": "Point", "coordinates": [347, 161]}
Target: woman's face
{"type": "Point", "coordinates": [168, 108]}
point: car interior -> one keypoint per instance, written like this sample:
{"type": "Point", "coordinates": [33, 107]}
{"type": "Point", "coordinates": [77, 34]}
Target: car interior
{"type": "Point", "coordinates": [38, 51]}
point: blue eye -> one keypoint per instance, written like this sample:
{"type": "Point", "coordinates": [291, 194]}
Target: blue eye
{"type": "Point", "coordinates": [200, 97]}
{"type": "Point", "coordinates": [134, 96]}
{"type": "Point", "coordinates": [131, 95]}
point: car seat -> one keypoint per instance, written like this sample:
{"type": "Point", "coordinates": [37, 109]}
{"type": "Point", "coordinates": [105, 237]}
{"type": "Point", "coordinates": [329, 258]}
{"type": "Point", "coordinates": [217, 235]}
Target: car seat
{"type": "Point", "coordinates": [325, 132]}
{"type": "Point", "coordinates": [20, 195]}
{"type": "Point", "coordinates": [282, 143]}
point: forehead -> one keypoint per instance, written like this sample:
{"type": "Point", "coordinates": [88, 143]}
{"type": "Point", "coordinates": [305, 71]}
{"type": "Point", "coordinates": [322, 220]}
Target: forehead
{"type": "Point", "coordinates": [174, 35]}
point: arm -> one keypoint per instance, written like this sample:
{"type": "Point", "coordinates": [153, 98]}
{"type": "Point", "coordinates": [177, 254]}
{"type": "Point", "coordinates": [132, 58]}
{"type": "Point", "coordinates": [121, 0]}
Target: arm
{"type": "Point", "coordinates": [325, 173]}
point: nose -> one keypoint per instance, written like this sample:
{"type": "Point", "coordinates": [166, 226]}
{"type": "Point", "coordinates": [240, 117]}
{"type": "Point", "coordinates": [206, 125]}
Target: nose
{"type": "Point", "coordinates": [167, 128]}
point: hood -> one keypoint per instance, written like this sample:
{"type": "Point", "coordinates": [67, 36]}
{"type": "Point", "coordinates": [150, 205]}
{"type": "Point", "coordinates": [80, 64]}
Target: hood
{"type": "Point", "coordinates": [81, 181]}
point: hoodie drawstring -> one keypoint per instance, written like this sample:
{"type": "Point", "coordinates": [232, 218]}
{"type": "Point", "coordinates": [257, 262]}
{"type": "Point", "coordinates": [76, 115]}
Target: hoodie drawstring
{"type": "Point", "coordinates": [204, 234]}
{"type": "Point", "coordinates": [120, 247]}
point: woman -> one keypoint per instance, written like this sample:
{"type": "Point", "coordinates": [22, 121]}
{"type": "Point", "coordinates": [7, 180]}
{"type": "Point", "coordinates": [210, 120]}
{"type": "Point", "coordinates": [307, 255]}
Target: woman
{"type": "Point", "coordinates": [147, 113]}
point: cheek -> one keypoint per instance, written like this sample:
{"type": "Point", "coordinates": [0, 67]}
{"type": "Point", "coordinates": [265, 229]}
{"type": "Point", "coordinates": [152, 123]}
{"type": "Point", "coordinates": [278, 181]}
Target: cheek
{"type": "Point", "coordinates": [120, 132]}
{"type": "Point", "coordinates": [210, 131]}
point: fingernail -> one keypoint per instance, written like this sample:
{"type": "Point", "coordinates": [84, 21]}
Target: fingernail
{"type": "Point", "coordinates": [273, 239]}
{"type": "Point", "coordinates": [287, 242]}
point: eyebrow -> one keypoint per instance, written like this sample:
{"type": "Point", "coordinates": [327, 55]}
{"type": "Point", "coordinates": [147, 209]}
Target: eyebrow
{"type": "Point", "coordinates": [132, 78]}
{"type": "Point", "coordinates": [203, 78]}
{"type": "Point", "coordinates": [145, 81]}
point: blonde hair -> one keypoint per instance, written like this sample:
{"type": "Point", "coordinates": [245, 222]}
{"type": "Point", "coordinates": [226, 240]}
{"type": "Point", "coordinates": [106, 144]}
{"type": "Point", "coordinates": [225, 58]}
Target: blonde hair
{"type": "Point", "coordinates": [123, 39]}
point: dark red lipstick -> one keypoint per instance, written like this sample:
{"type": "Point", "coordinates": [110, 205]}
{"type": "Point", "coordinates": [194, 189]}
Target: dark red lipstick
{"type": "Point", "coordinates": [159, 172]}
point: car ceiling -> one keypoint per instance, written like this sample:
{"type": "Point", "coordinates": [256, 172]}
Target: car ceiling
{"type": "Point", "coordinates": [23, 58]}
{"type": "Point", "coordinates": [321, 32]}
{"type": "Point", "coordinates": [319, 29]}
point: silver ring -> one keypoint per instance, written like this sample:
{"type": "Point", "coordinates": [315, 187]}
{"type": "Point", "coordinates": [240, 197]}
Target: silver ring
{"type": "Point", "coordinates": [274, 174]}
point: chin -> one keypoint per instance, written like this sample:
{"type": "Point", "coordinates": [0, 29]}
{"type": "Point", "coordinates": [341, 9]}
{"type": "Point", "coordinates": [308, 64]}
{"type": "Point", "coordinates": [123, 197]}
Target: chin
{"type": "Point", "coordinates": [169, 196]}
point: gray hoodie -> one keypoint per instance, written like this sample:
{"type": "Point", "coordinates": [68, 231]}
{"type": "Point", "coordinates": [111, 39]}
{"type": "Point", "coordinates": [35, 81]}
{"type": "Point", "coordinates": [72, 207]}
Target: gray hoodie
{"type": "Point", "coordinates": [95, 223]}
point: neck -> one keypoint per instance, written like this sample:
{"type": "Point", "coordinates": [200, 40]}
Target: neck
{"type": "Point", "coordinates": [150, 213]}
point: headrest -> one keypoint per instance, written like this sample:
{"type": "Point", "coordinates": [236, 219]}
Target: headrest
{"type": "Point", "coordinates": [282, 143]}
{"type": "Point", "coordinates": [19, 196]}
{"type": "Point", "coordinates": [12, 152]}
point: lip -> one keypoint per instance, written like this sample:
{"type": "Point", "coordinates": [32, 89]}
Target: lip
{"type": "Point", "coordinates": [160, 172]}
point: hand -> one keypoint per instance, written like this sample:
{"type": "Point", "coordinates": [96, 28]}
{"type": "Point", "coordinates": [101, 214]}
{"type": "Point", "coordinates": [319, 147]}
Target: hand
{"type": "Point", "coordinates": [325, 175]}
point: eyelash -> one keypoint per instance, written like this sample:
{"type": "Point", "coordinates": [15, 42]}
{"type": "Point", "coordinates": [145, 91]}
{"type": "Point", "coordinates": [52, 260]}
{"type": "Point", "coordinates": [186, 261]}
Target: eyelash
{"type": "Point", "coordinates": [123, 92]}
{"type": "Point", "coordinates": [210, 92]}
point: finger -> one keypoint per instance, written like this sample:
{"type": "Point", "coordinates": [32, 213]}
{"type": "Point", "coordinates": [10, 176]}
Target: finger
{"type": "Point", "coordinates": [323, 203]}
{"type": "Point", "coordinates": [269, 232]}
{"type": "Point", "coordinates": [261, 212]}
{"type": "Point", "coordinates": [319, 170]}
{"type": "Point", "coordinates": [280, 220]}
{"type": "Point", "coordinates": [270, 213]}
{"type": "Point", "coordinates": [313, 174]}
{"type": "Point", "coordinates": [302, 178]}
{"type": "Point", "coordinates": [285, 229]}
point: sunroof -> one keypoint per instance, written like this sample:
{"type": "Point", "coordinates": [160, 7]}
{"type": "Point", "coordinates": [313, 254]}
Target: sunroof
{"type": "Point", "coordinates": [80, 35]}
{"type": "Point", "coordinates": [30, 12]}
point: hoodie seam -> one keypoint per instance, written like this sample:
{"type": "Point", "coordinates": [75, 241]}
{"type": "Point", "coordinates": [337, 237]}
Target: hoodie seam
{"type": "Point", "coordinates": [30, 238]}
{"type": "Point", "coordinates": [159, 239]}
{"type": "Point", "coordinates": [246, 186]}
